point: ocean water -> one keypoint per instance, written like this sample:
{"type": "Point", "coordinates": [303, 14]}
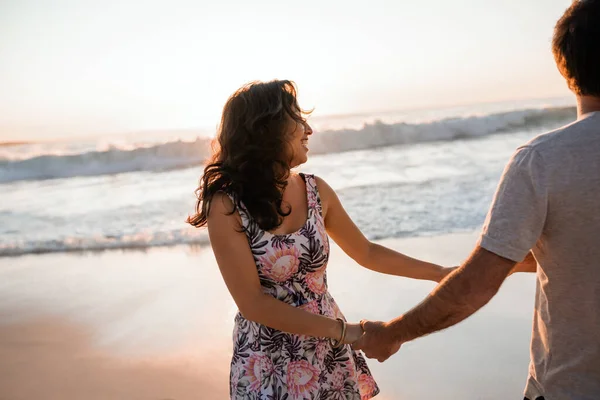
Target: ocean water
{"type": "Point", "coordinates": [398, 174]}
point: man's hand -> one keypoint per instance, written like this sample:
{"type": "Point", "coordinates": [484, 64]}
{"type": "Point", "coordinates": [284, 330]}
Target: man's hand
{"type": "Point", "coordinates": [377, 341]}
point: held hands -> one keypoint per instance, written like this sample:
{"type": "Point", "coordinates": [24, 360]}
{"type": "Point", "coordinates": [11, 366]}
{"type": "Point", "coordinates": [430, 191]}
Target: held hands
{"type": "Point", "coordinates": [377, 341]}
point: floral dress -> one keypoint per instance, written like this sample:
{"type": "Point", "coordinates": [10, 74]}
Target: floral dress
{"type": "Point", "coordinates": [269, 364]}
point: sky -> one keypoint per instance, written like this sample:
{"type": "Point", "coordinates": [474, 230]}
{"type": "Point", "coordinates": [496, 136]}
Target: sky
{"type": "Point", "coordinates": [78, 67]}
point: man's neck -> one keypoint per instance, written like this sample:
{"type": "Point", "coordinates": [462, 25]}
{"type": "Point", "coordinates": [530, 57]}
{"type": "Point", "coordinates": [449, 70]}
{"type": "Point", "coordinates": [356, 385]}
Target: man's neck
{"type": "Point", "coordinates": [587, 104]}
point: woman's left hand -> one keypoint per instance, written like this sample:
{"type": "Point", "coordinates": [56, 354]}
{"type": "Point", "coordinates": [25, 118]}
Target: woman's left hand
{"type": "Point", "coordinates": [444, 272]}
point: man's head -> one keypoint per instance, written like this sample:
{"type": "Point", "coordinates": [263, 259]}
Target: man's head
{"type": "Point", "coordinates": [576, 47]}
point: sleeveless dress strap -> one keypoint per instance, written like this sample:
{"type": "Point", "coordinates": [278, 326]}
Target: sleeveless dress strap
{"type": "Point", "coordinates": [314, 199]}
{"type": "Point", "coordinates": [241, 209]}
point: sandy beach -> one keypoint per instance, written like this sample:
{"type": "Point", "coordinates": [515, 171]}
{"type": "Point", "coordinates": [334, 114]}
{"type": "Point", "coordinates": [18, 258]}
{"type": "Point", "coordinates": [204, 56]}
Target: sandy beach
{"type": "Point", "coordinates": [157, 324]}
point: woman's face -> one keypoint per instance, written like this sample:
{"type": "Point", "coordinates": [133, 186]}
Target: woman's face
{"type": "Point", "coordinates": [298, 132]}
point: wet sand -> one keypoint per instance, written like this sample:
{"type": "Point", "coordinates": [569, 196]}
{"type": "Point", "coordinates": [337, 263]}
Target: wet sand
{"type": "Point", "coordinates": [157, 324]}
{"type": "Point", "coordinates": [55, 360]}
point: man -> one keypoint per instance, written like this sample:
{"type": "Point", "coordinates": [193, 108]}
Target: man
{"type": "Point", "coordinates": [547, 202]}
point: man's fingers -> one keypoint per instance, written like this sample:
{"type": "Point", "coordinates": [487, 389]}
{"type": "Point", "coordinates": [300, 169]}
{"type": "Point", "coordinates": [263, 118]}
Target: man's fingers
{"type": "Point", "coordinates": [383, 358]}
{"type": "Point", "coordinates": [368, 325]}
{"type": "Point", "coordinates": [378, 357]}
{"type": "Point", "coordinates": [367, 352]}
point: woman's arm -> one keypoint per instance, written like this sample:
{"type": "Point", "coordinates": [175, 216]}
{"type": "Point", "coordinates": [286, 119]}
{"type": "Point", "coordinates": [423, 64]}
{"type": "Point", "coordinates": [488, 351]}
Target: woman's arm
{"type": "Point", "coordinates": [370, 255]}
{"type": "Point", "coordinates": [238, 268]}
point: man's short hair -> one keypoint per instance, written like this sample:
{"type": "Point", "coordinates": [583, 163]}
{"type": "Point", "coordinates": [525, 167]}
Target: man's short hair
{"type": "Point", "coordinates": [576, 47]}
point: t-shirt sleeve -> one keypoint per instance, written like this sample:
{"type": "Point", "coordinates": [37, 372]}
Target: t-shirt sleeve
{"type": "Point", "coordinates": [517, 215]}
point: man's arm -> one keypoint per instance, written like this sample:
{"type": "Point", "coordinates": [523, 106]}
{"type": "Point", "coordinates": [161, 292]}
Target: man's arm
{"type": "Point", "coordinates": [462, 293]}
{"type": "Point", "coordinates": [529, 264]}
{"type": "Point", "coordinates": [513, 225]}
{"type": "Point", "coordinates": [457, 297]}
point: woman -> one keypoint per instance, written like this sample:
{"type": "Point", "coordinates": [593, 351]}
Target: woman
{"type": "Point", "coordinates": [269, 228]}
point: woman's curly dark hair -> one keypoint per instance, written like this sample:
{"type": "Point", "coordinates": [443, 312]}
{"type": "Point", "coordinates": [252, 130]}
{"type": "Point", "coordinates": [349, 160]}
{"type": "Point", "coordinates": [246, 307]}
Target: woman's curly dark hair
{"type": "Point", "coordinates": [251, 159]}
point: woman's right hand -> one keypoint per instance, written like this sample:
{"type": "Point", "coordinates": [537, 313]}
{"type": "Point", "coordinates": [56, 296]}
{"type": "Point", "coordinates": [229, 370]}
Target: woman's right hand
{"type": "Point", "coordinates": [353, 333]}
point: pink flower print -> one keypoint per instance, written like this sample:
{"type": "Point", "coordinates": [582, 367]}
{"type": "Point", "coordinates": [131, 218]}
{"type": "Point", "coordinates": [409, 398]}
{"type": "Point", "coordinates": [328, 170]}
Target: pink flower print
{"type": "Point", "coordinates": [281, 264]}
{"type": "Point", "coordinates": [321, 350]}
{"type": "Point", "coordinates": [331, 309]}
{"type": "Point", "coordinates": [312, 199]}
{"type": "Point", "coordinates": [366, 386]}
{"type": "Point", "coordinates": [311, 307]}
{"type": "Point", "coordinates": [327, 310]}
{"type": "Point", "coordinates": [349, 368]}
{"type": "Point", "coordinates": [323, 236]}
{"type": "Point", "coordinates": [302, 379]}
{"type": "Point", "coordinates": [257, 367]}
{"type": "Point", "coordinates": [337, 379]}
{"type": "Point", "coordinates": [235, 377]}
{"type": "Point", "coordinates": [316, 282]}
{"type": "Point", "coordinates": [337, 313]}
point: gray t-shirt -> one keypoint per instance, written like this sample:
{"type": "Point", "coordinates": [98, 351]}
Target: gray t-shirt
{"type": "Point", "coordinates": [548, 200]}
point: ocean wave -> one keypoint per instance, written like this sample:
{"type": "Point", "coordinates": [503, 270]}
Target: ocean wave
{"type": "Point", "coordinates": [183, 154]}
{"type": "Point", "coordinates": [380, 134]}
{"type": "Point", "coordinates": [139, 241]}
{"type": "Point", "coordinates": [160, 157]}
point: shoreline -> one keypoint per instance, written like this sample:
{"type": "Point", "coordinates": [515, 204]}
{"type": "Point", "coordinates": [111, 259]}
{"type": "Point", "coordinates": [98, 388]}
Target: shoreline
{"type": "Point", "coordinates": [193, 246]}
{"type": "Point", "coordinates": [157, 324]}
